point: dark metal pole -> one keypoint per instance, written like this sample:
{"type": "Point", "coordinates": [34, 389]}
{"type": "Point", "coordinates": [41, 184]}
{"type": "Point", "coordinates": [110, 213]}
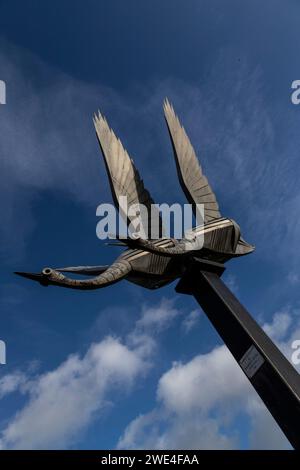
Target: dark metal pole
{"type": "Point", "coordinates": [273, 377]}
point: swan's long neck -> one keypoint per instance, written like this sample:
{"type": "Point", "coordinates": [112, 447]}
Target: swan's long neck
{"type": "Point", "coordinates": [114, 273]}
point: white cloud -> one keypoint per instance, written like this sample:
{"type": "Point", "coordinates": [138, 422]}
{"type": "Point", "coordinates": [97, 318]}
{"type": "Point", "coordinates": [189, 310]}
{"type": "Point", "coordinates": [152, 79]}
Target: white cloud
{"type": "Point", "coordinates": [293, 278]}
{"type": "Point", "coordinates": [9, 383]}
{"type": "Point", "coordinates": [63, 402]}
{"type": "Point", "coordinates": [284, 330]}
{"type": "Point", "coordinates": [201, 383]}
{"type": "Point", "coordinates": [153, 320]}
{"type": "Point", "coordinates": [264, 432]}
{"type": "Point", "coordinates": [159, 317]}
{"type": "Point", "coordinates": [191, 320]}
{"type": "Point", "coordinates": [158, 430]}
{"type": "Point", "coordinates": [186, 394]}
{"type": "Point", "coordinates": [198, 403]}
{"type": "Point", "coordinates": [231, 281]}
{"type": "Point", "coordinates": [279, 326]}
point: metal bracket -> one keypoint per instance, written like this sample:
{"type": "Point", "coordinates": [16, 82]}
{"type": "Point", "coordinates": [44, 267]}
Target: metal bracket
{"type": "Point", "coordinates": [187, 281]}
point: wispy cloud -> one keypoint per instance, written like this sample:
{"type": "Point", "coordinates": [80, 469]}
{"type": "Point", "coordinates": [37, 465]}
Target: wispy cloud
{"type": "Point", "coordinates": [191, 320]}
{"type": "Point", "coordinates": [158, 318]}
{"type": "Point", "coordinates": [293, 278]}
{"type": "Point", "coordinates": [48, 142]}
{"type": "Point", "coordinates": [231, 281]}
{"type": "Point", "coordinates": [9, 383]}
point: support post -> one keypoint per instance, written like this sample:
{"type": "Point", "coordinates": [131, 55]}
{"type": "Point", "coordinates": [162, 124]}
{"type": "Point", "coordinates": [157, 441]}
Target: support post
{"type": "Point", "coordinates": [273, 377]}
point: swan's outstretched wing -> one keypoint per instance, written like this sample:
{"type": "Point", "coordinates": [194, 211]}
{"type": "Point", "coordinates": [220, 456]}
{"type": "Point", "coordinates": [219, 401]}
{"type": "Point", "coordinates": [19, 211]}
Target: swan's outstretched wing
{"type": "Point", "coordinates": [124, 177]}
{"type": "Point", "coordinates": [194, 184]}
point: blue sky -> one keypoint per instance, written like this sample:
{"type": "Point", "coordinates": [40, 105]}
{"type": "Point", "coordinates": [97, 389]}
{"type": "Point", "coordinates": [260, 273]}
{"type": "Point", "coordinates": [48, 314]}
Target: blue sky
{"type": "Point", "coordinates": [124, 367]}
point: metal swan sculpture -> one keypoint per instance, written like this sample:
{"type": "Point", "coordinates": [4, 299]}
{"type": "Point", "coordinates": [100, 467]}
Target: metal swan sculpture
{"type": "Point", "coordinates": [155, 263]}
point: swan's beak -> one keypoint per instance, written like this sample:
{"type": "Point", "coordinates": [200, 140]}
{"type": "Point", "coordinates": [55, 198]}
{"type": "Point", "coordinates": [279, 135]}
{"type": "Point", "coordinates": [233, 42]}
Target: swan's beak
{"type": "Point", "coordinates": [34, 277]}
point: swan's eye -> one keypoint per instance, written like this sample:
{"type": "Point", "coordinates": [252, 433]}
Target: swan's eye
{"type": "Point", "coordinates": [47, 271]}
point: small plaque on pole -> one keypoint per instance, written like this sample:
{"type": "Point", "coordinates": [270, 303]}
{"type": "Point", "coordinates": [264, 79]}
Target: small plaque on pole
{"type": "Point", "coordinates": [251, 361]}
